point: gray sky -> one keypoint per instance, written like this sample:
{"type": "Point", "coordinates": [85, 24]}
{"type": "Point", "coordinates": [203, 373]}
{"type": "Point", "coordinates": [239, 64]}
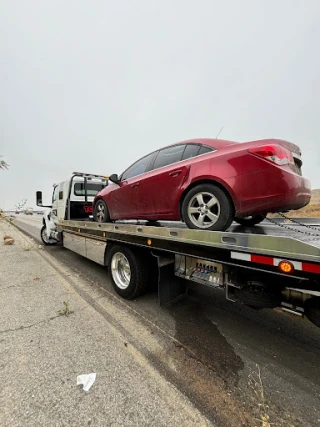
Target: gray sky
{"type": "Point", "coordinates": [94, 85]}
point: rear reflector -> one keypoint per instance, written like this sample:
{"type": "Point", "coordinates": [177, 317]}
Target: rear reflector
{"type": "Point", "coordinates": [273, 153]}
{"type": "Point", "coordinates": [284, 265]}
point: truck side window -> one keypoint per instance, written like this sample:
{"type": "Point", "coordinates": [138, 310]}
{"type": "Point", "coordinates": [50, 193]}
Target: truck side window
{"type": "Point", "coordinates": [92, 189]}
{"type": "Point", "coordinates": [60, 195]}
{"type": "Point", "coordinates": [55, 194]}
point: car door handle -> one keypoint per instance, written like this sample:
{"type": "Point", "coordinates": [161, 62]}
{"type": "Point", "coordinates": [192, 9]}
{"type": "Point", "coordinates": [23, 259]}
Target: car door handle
{"type": "Point", "coordinates": [135, 185]}
{"type": "Point", "coordinates": [175, 173]}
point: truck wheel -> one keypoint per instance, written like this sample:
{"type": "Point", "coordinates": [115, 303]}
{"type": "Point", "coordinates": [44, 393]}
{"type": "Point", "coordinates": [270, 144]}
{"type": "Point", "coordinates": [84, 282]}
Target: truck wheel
{"type": "Point", "coordinates": [250, 221]}
{"type": "Point", "coordinates": [129, 274]}
{"type": "Point", "coordinates": [45, 239]}
{"type": "Point", "coordinates": [257, 295]}
{"type": "Point", "coordinates": [101, 212]}
{"type": "Point", "coordinates": [312, 310]}
{"type": "Point", "coordinates": [207, 207]}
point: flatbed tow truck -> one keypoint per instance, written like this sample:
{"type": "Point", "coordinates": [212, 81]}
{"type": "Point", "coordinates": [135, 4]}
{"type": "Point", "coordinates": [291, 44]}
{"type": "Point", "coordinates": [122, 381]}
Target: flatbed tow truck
{"type": "Point", "coordinates": [259, 270]}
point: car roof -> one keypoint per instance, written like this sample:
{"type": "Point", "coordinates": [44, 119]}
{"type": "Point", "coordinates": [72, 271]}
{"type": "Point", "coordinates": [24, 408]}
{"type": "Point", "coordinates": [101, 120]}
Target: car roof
{"type": "Point", "coordinates": [211, 142]}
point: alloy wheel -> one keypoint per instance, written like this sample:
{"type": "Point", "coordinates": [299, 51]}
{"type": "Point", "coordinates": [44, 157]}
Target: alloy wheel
{"type": "Point", "coordinates": [204, 210]}
{"type": "Point", "coordinates": [120, 270]}
{"type": "Point", "coordinates": [100, 212]}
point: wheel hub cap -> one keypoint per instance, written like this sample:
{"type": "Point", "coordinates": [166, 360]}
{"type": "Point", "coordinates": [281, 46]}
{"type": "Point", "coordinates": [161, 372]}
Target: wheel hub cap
{"type": "Point", "coordinates": [204, 210]}
{"type": "Point", "coordinates": [120, 270]}
{"type": "Point", "coordinates": [100, 212]}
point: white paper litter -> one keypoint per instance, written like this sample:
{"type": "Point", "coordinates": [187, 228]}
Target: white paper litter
{"type": "Point", "coordinates": [87, 380]}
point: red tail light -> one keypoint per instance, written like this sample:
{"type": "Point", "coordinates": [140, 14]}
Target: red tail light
{"type": "Point", "coordinates": [273, 153]}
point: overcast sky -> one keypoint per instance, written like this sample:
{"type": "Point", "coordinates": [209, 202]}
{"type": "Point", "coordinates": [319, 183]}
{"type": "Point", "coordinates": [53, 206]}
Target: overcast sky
{"type": "Point", "coordinates": [94, 85]}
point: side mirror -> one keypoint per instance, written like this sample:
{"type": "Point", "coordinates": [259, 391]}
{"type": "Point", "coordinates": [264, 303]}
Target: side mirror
{"type": "Point", "coordinates": [39, 198]}
{"type": "Point", "coordinates": [114, 178]}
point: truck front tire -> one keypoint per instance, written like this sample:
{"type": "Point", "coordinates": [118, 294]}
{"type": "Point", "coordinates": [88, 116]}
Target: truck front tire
{"type": "Point", "coordinates": [45, 239]}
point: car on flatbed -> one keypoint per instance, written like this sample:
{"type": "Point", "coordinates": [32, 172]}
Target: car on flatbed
{"type": "Point", "coordinates": [208, 183]}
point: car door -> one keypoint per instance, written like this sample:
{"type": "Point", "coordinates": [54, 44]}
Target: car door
{"type": "Point", "coordinates": [160, 187]}
{"type": "Point", "coordinates": [124, 199]}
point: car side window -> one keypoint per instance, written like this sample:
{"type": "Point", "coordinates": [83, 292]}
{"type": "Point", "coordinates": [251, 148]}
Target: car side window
{"type": "Point", "coordinates": [169, 155]}
{"type": "Point", "coordinates": [137, 168]}
{"type": "Point", "coordinates": [190, 151]}
{"type": "Point", "coordinates": [204, 150]}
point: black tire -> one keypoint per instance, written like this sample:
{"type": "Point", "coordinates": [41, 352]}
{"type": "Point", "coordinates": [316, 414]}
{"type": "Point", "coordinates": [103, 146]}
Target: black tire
{"type": "Point", "coordinates": [257, 295]}
{"type": "Point", "coordinates": [250, 221]}
{"type": "Point", "coordinates": [312, 310]}
{"type": "Point", "coordinates": [45, 240]}
{"type": "Point", "coordinates": [101, 212]}
{"type": "Point", "coordinates": [224, 210]}
{"type": "Point", "coordinates": [139, 271]}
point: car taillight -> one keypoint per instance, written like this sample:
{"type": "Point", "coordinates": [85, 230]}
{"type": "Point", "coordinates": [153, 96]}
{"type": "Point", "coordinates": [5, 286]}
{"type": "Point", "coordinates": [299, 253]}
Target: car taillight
{"type": "Point", "coordinates": [273, 153]}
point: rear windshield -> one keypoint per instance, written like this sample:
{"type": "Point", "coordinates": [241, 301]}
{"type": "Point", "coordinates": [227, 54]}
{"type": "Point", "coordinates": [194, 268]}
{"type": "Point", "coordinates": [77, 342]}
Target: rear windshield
{"type": "Point", "coordinates": [92, 189]}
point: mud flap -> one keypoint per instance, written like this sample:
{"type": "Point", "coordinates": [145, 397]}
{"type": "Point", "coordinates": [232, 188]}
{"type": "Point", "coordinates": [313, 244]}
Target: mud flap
{"type": "Point", "coordinates": [170, 287]}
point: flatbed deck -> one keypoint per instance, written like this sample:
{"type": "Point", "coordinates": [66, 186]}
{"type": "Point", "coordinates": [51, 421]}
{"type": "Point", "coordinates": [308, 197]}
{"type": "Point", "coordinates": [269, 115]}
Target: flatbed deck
{"type": "Point", "coordinates": [297, 243]}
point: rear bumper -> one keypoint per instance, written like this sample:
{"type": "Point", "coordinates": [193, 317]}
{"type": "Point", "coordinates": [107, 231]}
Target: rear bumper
{"type": "Point", "coordinates": [271, 190]}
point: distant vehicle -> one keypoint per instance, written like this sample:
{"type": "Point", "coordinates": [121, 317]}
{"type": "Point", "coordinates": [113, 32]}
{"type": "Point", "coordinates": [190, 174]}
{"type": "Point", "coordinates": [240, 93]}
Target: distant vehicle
{"type": "Point", "coordinates": [28, 211]}
{"type": "Point", "coordinates": [17, 212]}
{"type": "Point", "coordinates": [208, 183]}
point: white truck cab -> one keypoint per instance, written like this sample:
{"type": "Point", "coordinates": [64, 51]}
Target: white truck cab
{"type": "Point", "coordinates": [71, 199]}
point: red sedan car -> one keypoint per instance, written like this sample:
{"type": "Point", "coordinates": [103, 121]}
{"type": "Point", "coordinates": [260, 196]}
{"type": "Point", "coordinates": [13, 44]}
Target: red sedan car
{"type": "Point", "coordinates": [208, 183]}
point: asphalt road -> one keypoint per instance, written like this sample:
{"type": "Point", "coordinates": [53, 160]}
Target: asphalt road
{"type": "Point", "coordinates": [237, 365]}
{"type": "Point", "coordinates": [50, 334]}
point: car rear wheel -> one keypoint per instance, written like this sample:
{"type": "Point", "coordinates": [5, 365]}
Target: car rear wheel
{"type": "Point", "coordinates": [207, 207]}
{"type": "Point", "coordinates": [250, 221]}
{"type": "Point", "coordinates": [101, 212]}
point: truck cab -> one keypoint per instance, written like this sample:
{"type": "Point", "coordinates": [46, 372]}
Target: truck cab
{"type": "Point", "coordinates": [71, 200]}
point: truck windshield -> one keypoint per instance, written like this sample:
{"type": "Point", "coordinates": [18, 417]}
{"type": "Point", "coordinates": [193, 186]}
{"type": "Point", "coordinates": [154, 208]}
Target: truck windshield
{"type": "Point", "coordinates": [92, 189]}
